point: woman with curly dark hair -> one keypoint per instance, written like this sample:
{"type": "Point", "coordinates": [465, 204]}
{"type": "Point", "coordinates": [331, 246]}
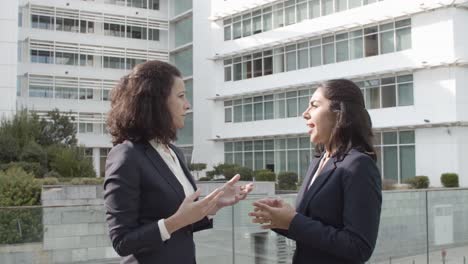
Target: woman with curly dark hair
{"type": "Point", "coordinates": [337, 212]}
{"type": "Point", "coordinates": [151, 200]}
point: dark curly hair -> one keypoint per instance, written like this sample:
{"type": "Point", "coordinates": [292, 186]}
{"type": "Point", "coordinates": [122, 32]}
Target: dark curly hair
{"type": "Point", "coordinates": [139, 110]}
{"type": "Point", "coordinates": [353, 126]}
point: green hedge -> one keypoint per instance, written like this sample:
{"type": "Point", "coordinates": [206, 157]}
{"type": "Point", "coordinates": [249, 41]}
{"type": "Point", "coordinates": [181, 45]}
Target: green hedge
{"type": "Point", "coordinates": [449, 179]}
{"type": "Point", "coordinates": [264, 175]}
{"type": "Point", "coordinates": [418, 182]}
{"type": "Point", "coordinates": [287, 181]}
{"type": "Point", "coordinates": [20, 225]}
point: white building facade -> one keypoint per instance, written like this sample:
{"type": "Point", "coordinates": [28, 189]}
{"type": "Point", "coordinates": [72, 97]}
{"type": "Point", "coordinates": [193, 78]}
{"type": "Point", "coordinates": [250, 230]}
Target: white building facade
{"type": "Point", "coordinates": [71, 54]}
{"type": "Point", "coordinates": [260, 61]}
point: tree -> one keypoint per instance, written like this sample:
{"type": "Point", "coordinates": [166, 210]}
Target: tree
{"type": "Point", "coordinates": [57, 129]}
{"type": "Point", "coordinates": [197, 167]}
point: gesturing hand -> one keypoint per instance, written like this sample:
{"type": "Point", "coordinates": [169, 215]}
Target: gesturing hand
{"type": "Point", "coordinates": [232, 193]}
{"type": "Point", "coordinates": [191, 211]}
{"type": "Point", "coordinates": [275, 212]}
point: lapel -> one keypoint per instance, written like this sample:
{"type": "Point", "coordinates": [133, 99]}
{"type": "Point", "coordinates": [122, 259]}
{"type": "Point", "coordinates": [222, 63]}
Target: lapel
{"type": "Point", "coordinates": [308, 177]}
{"type": "Point", "coordinates": [184, 167]}
{"type": "Point", "coordinates": [322, 178]}
{"type": "Point", "coordinates": [164, 170]}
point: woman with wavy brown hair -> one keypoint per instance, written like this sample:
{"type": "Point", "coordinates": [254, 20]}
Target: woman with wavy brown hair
{"type": "Point", "coordinates": [337, 214]}
{"type": "Point", "coordinates": [151, 200]}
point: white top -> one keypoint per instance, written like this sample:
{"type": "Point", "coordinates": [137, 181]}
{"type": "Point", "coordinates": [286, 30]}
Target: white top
{"type": "Point", "coordinates": [171, 160]}
{"type": "Point", "coordinates": [323, 161]}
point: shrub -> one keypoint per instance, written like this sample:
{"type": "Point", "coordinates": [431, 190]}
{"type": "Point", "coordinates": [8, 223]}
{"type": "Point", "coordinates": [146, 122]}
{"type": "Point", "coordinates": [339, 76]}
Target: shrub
{"type": "Point", "coordinates": [9, 148]}
{"type": "Point", "coordinates": [49, 181]}
{"type": "Point", "coordinates": [33, 152]}
{"type": "Point", "coordinates": [71, 162]}
{"type": "Point", "coordinates": [449, 179]}
{"type": "Point", "coordinates": [18, 188]}
{"type": "Point", "coordinates": [30, 167]}
{"type": "Point", "coordinates": [418, 182]}
{"type": "Point", "coordinates": [287, 181]}
{"type": "Point", "coordinates": [20, 225]}
{"type": "Point", "coordinates": [264, 175]}
{"type": "Point", "coordinates": [388, 184]}
{"type": "Point", "coordinates": [52, 174]}
{"type": "Point", "coordinates": [245, 173]}
{"type": "Point", "coordinates": [87, 181]}
{"type": "Point", "coordinates": [204, 179]}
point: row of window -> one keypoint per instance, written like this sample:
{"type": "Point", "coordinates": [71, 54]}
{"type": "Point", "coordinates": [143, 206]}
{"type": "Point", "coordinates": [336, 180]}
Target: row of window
{"type": "Point", "coordinates": [385, 92]}
{"type": "Point", "coordinates": [395, 154]}
{"type": "Point", "coordinates": [344, 46]}
{"type": "Point", "coordinates": [146, 4]}
{"type": "Point", "coordinates": [65, 58]}
{"type": "Point", "coordinates": [83, 26]}
{"type": "Point", "coordinates": [284, 14]}
{"type": "Point", "coordinates": [68, 93]}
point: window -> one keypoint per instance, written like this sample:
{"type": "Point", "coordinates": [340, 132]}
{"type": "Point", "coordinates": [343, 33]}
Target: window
{"type": "Point", "coordinates": [278, 155]}
{"type": "Point", "coordinates": [327, 49]}
{"type": "Point", "coordinates": [66, 58]}
{"type": "Point", "coordinates": [40, 91]}
{"type": "Point", "coordinates": [42, 22]}
{"type": "Point", "coordinates": [42, 56]}
{"type": "Point", "coordinates": [283, 14]}
{"type": "Point", "coordinates": [396, 154]}
{"type": "Point", "coordinates": [390, 91]}
{"type": "Point", "coordinates": [114, 62]}
{"type": "Point", "coordinates": [153, 34]}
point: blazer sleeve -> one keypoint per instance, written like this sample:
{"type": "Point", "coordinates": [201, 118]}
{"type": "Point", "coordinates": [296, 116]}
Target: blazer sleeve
{"type": "Point", "coordinates": [362, 202]}
{"type": "Point", "coordinates": [122, 203]}
{"type": "Point", "coordinates": [203, 224]}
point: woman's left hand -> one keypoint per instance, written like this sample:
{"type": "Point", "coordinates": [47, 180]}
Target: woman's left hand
{"type": "Point", "coordinates": [232, 193]}
{"type": "Point", "coordinates": [277, 215]}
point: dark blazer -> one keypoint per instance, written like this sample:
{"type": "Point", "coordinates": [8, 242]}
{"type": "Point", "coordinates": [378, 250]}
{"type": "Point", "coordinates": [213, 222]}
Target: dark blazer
{"type": "Point", "coordinates": [338, 218]}
{"type": "Point", "coordinates": [140, 189]}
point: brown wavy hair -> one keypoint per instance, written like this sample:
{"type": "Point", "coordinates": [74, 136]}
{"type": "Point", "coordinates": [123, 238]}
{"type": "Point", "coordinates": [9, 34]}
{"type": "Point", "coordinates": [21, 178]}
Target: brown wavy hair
{"type": "Point", "coordinates": [139, 110]}
{"type": "Point", "coordinates": [353, 125]}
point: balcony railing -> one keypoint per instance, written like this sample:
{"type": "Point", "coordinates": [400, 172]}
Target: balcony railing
{"type": "Point", "coordinates": [428, 226]}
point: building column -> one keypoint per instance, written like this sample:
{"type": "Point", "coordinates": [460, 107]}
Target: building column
{"type": "Point", "coordinates": [97, 161]}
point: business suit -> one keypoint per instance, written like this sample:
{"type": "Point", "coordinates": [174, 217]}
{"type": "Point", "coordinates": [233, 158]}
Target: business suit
{"type": "Point", "coordinates": [139, 190]}
{"type": "Point", "coordinates": [338, 217]}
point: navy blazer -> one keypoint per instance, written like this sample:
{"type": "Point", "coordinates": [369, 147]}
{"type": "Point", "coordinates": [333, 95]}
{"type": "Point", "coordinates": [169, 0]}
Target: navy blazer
{"type": "Point", "coordinates": [140, 189]}
{"type": "Point", "coordinates": [337, 219]}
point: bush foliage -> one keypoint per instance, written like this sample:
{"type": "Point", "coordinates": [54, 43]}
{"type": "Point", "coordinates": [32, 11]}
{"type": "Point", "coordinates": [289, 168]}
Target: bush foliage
{"type": "Point", "coordinates": [449, 180]}
{"type": "Point", "coordinates": [418, 182]}
{"type": "Point", "coordinates": [287, 181]}
{"type": "Point", "coordinates": [264, 175]}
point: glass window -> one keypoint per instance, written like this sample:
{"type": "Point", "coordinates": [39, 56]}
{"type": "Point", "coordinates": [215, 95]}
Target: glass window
{"type": "Point", "coordinates": [303, 58]}
{"type": "Point", "coordinates": [390, 138]}
{"type": "Point", "coordinates": [267, 65]}
{"type": "Point", "coordinates": [388, 96]}
{"type": "Point", "coordinates": [237, 113]}
{"type": "Point", "coordinates": [327, 7]}
{"type": "Point", "coordinates": [403, 39]}
{"type": "Point", "coordinates": [301, 12]}
{"type": "Point", "coordinates": [247, 69]}
{"type": "Point", "coordinates": [278, 60]}
{"type": "Point", "coordinates": [227, 32]}
{"type": "Point", "coordinates": [237, 71]}
{"type": "Point", "coordinates": [342, 49]}
{"type": "Point", "coordinates": [314, 8]}
{"type": "Point", "coordinates": [278, 17]}
{"type": "Point", "coordinates": [390, 161]}
{"type": "Point", "coordinates": [328, 50]}
{"type": "Point", "coordinates": [290, 15]}
{"type": "Point", "coordinates": [267, 22]}
{"type": "Point", "coordinates": [247, 27]}
{"type": "Point", "coordinates": [341, 5]}
{"type": "Point", "coordinates": [291, 58]}
{"type": "Point", "coordinates": [183, 31]}
{"type": "Point", "coordinates": [257, 24]}
{"type": "Point", "coordinates": [183, 60]}
{"type": "Point", "coordinates": [248, 115]}
{"type": "Point", "coordinates": [228, 114]}
{"type": "Point", "coordinates": [407, 162]}
{"type": "Point", "coordinates": [354, 3]}
{"type": "Point", "coordinates": [407, 137]}
{"type": "Point", "coordinates": [257, 67]}
{"type": "Point", "coordinates": [405, 94]}
{"type": "Point", "coordinates": [269, 111]}
{"type": "Point", "coordinates": [237, 30]}
{"type": "Point", "coordinates": [227, 73]}
{"type": "Point", "coordinates": [387, 43]}
{"type": "Point", "coordinates": [315, 56]}
{"type": "Point", "coordinates": [356, 45]}
{"type": "Point", "coordinates": [371, 41]}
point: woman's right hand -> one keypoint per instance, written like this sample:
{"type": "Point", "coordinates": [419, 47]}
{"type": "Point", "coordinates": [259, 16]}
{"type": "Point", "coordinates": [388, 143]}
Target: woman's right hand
{"type": "Point", "coordinates": [191, 211]}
